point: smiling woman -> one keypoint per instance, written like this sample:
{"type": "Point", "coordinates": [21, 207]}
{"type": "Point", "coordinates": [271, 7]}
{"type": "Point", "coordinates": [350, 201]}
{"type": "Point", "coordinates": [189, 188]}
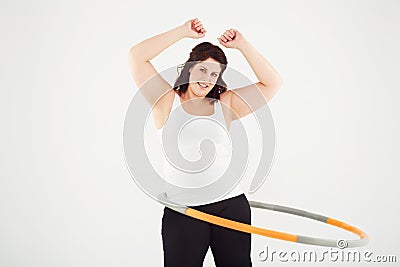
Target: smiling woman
{"type": "Point", "coordinates": [201, 75]}
{"type": "Point", "coordinates": [199, 89]}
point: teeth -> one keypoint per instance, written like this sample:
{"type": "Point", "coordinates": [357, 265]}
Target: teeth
{"type": "Point", "coordinates": [203, 85]}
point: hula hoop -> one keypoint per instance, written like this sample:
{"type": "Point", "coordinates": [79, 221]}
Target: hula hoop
{"type": "Point", "coordinates": [340, 243]}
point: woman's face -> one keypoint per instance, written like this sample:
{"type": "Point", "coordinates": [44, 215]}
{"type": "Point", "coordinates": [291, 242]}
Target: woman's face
{"type": "Point", "coordinates": [203, 76]}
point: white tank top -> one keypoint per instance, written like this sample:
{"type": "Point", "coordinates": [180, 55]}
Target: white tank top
{"type": "Point", "coordinates": [189, 146]}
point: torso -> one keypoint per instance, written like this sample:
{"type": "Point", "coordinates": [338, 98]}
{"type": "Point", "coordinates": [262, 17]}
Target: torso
{"type": "Point", "coordinates": [189, 138]}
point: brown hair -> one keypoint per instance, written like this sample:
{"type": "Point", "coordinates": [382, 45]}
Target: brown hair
{"type": "Point", "coordinates": [199, 53]}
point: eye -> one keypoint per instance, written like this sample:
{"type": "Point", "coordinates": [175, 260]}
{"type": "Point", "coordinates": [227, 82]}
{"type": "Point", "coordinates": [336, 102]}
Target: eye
{"type": "Point", "coordinates": [215, 74]}
{"type": "Point", "coordinates": [203, 70]}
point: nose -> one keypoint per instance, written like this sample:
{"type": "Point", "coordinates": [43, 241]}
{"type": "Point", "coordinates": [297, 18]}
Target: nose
{"type": "Point", "coordinates": [211, 78]}
{"type": "Point", "coordinates": [207, 79]}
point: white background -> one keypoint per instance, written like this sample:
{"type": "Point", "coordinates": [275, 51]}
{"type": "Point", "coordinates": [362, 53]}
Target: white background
{"type": "Point", "coordinates": [66, 196]}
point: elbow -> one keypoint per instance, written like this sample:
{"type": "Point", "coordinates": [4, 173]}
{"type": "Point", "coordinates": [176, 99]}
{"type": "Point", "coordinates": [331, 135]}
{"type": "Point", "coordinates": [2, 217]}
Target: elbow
{"type": "Point", "coordinates": [132, 53]}
{"type": "Point", "coordinates": [136, 55]}
{"type": "Point", "coordinates": [278, 83]}
{"type": "Point", "coordinates": [135, 52]}
{"type": "Point", "coordinates": [275, 84]}
{"type": "Point", "coordinates": [134, 58]}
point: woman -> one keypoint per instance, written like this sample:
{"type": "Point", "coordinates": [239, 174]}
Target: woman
{"type": "Point", "coordinates": [198, 87]}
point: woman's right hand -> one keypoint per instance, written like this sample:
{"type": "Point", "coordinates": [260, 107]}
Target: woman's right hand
{"type": "Point", "coordinates": [193, 29]}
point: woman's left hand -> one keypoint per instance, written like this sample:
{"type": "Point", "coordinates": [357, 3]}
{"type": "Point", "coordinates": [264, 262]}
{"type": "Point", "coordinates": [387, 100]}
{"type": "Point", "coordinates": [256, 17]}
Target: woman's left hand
{"type": "Point", "coordinates": [231, 39]}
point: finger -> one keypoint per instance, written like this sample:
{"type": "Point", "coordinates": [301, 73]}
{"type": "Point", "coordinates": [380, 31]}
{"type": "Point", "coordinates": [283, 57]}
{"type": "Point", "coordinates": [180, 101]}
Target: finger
{"type": "Point", "coordinates": [202, 34]}
{"type": "Point", "coordinates": [197, 21]}
{"type": "Point", "coordinates": [223, 38]}
{"type": "Point", "coordinates": [227, 37]}
{"type": "Point", "coordinates": [196, 29]}
{"type": "Point", "coordinates": [229, 33]}
{"type": "Point", "coordinates": [200, 30]}
{"type": "Point", "coordinates": [220, 41]}
{"type": "Point", "coordinates": [193, 22]}
{"type": "Point", "coordinates": [199, 26]}
{"type": "Point", "coordinates": [235, 32]}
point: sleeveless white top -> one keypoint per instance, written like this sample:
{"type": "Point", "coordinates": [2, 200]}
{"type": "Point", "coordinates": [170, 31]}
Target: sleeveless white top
{"type": "Point", "coordinates": [189, 146]}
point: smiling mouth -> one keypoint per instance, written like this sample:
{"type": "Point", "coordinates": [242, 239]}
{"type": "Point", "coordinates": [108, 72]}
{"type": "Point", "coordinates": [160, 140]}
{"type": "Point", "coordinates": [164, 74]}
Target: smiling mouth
{"type": "Point", "coordinates": [202, 85]}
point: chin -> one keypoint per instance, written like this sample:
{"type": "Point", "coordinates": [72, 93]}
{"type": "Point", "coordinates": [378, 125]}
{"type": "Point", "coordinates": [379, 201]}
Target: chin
{"type": "Point", "coordinates": [200, 94]}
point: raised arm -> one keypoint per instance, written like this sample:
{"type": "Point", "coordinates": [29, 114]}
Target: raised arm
{"type": "Point", "coordinates": [157, 91]}
{"type": "Point", "coordinates": [141, 54]}
{"type": "Point", "coordinates": [245, 100]}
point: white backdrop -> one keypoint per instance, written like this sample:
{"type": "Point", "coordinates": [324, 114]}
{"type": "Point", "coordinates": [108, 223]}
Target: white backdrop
{"type": "Point", "coordinates": [66, 196]}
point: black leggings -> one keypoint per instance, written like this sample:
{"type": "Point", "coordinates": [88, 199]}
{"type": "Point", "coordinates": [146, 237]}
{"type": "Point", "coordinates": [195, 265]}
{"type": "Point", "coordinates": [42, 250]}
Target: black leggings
{"type": "Point", "coordinates": [186, 239]}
